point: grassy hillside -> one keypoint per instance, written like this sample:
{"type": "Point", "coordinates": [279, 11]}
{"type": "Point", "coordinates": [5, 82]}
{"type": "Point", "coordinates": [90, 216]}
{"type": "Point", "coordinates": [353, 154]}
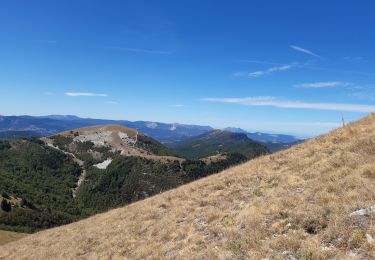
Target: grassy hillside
{"type": "Point", "coordinates": [8, 236]}
{"type": "Point", "coordinates": [216, 142]}
{"type": "Point", "coordinates": [312, 201]}
{"type": "Point", "coordinates": [275, 146]}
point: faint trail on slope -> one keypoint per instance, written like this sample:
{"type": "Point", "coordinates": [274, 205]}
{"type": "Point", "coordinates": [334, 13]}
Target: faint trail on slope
{"type": "Point", "coordinates": [136, 138]}
{"type": "Point", "coordinates": [82, 177]}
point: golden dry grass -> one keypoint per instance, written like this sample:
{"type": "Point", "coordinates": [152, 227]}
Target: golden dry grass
{"type": "Point", "coordinates": [214, 158]}
{"type": "Point", "coordinates": [8, 236]}
{"type": "Point", "coordinates": [294, 204]}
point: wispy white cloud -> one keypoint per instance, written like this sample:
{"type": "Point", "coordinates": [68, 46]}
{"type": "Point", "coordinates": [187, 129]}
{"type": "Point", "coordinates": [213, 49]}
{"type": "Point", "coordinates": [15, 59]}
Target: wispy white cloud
{"type": "Point", "coordinates": [308, 65]}
{"type": "Point", "coordinates": [280, 68]}
{"type": "Point", "coordinates": [85, 94]}
{"type": "Point", "coordinates": [259, 73]}
{"type": "Point", "coordinates": [141, 50]}
{"type": "Point", "coordinates": [280, 103]}
{"type": "Point", "coordinates": [327, 84]}
{"type": "Point", "coordinates": [256, 74]}
{"type": "Point", "coordinates": [261, 62]}
{"type": "Point", "coordinates": [177, 105]}
{"type": "Point", "coordinates": [300, 49]}
{"type": "Point", "coordinates": [113, 102]}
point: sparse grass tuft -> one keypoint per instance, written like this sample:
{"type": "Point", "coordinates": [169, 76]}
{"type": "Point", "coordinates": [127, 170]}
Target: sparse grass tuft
{"type": "Point", "coordinates": [258, 192]}
{"type": "Point", "coordinates": [369, 171]}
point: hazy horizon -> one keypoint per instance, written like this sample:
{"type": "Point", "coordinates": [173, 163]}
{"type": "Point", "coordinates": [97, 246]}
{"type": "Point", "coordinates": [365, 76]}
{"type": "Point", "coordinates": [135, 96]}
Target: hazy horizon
{"type": "Point", "coordinates": [333, 126]}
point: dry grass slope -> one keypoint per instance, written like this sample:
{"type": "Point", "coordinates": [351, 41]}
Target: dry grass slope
{"type": "Point", "coordinates": [295, 204]}
{"type": "Point", "coordinates": [8, 236]}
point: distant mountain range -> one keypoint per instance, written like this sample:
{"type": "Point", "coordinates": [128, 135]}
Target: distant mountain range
{"type": "Point", "coordinates": [274, 142]}
{"type": "Point", "coordinates": [264, 137]}
{"type": "Point", "coordinates": [219, 142]}
{"type": "Point", "coordinates": [165, 133]}
{"type": "Point", "coordinates": [53, 124]}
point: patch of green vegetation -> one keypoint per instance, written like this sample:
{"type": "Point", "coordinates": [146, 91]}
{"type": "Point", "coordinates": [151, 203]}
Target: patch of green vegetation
{"type": "Point", "coordinates": [216, 142]}
{"type": "Point", "coordinates": [153, 146]}
{"type": "Point", "coordinates": [194, 169]}
{"type": "Point", "coordinates": [258, 192]}
{"type": "Point", "coordinates": [61, 141]}
{"type": "Point", "coordinates": [42, 177]}
{"type": "Point", "coordinates": [13, 135]}
{"type": "Point", "coordinates": [128, 179]}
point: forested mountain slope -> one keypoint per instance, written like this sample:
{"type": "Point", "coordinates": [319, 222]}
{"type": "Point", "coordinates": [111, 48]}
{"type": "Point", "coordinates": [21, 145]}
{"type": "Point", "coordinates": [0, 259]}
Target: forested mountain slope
{"type": "Point", "coordinates": [75, 174]}
{"type": "Point", "coordinates": [218, 142]}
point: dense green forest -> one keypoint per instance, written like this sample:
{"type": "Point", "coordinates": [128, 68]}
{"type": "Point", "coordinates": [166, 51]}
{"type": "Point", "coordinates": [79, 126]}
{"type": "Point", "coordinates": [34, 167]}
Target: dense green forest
{"type": "Point", "coordinates": [128, 179]}
{"type": "Point", "coordinates": [36, 183]}
{"type": "Point", "coordinates": [13, 135]}
{"type": "Point", "coordinates": [42, 179]}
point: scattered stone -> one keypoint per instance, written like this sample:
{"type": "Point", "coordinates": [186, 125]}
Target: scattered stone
{"type": "Point", "coordinates": [276, 235]}
{"type": "Point", "coordinates": [370, 239]}
{"type": "Point", "coordinates": [356, 254]}
{"type": "Point", "coordinates": [299, 190]}
{"type": "Point", "coordinates": [201, 226]}
{"type": "Point", "coordinates": [352, 254]}
{"type": "Point", "coordinates": [326, 246]}
{"type": "Point", "coordinates": [363, 212]}
{"type": "Point", "coordinates": [170, 254]}
{"type": "Point", "coordinates": [200, 222]}
{"type": "Point", "coordinates": [238, 207]}
{"type": "Point", "coordinates": [288, 255]}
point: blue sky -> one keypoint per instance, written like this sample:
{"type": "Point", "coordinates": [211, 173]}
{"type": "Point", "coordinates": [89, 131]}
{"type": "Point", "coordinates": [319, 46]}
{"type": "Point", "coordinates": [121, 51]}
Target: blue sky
{"type": "Point", "coordinates": [276, 66]}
